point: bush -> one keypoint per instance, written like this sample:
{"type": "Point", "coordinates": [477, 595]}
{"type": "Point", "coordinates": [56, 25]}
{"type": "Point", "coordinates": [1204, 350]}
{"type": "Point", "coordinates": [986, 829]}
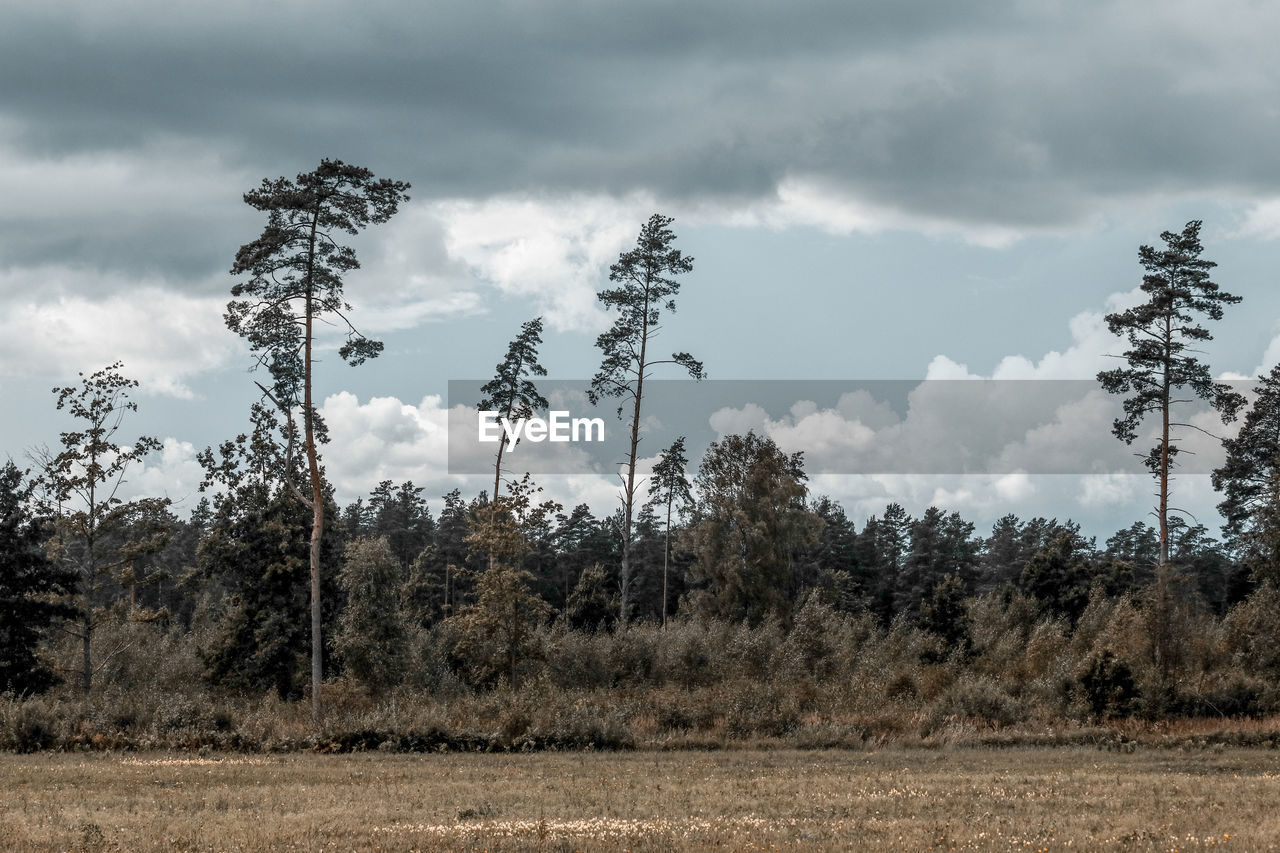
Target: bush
{"type": "Point", "coordinates": [1107, 686]}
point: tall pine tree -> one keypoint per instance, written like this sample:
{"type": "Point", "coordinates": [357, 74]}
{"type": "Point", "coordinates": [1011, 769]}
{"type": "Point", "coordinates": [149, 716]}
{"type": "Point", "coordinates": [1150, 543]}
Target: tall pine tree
{"type": "Point", "coordinates": [296, 270]}
{"type": "Point", "coordinates": [646, 287]}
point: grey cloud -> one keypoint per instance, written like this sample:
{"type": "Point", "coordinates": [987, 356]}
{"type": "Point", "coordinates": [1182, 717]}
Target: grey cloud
{"type": "Point", "coordinates": [993, 113]}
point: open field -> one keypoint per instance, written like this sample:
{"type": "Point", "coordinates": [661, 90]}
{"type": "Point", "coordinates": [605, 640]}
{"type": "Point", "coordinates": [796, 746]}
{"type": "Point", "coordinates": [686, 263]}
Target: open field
{"type": "Point", "coordinates": [963, 799]}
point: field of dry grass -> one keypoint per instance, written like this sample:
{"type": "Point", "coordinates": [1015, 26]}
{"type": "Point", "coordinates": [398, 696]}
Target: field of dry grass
{"type": "Point", "coordinates": [959, 799]}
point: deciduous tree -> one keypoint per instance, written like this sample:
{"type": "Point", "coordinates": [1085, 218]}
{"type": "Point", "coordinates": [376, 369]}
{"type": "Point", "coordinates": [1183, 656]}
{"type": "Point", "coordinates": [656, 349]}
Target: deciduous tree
{"type": "Point", "coordinates": [92, 535]}
{"type": "Point", "coordinates": [750, 523]}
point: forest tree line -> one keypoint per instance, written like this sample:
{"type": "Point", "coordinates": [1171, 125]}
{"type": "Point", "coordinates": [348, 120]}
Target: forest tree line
{"type": "Point", "coordinates": [271, 586]}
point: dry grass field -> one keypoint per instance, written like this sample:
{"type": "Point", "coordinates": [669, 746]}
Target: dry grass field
{"type": "Point", "coordinates": [958, 799]}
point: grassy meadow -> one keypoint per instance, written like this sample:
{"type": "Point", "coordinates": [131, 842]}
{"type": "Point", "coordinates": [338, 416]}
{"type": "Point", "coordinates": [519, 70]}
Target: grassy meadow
{"type": "Point", "coordinates": [946, 799]}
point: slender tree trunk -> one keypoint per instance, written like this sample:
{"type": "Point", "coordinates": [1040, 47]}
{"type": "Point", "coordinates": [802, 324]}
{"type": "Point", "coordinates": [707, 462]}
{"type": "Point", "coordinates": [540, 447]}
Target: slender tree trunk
{"type": "Point", "coordinates": [1163, 582]}
{"type": "Point", "coordinates": [88, 571]}
{"type": "Point", "coordinates": [666, 556]}
{"type": "Point", "coordinates": [1164, 453]}
{"type": "Point", "coordinates": [629, 501]}
{"type": "Point", "coordinates": [86, 656]}
{"type": "Point", "coordinates": [317, 493]}
{"type": "Point", "coordinates": [497, 470]}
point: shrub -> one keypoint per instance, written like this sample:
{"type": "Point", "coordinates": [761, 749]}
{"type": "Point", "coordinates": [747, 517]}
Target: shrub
{"type": "Point", "coordinates": [1108, 686]}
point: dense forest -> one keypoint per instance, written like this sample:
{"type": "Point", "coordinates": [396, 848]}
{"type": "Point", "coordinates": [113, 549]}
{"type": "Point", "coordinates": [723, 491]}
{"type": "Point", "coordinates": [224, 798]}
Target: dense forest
{"type": "Point", "coordinates": [720, 601]}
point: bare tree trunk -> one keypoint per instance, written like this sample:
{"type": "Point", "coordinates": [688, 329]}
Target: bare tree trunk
{"type": "Point", "coordinates": [666, 556]}
{"type": "Point", "coordinates": [1164, 451]}
{"type": "Point", "coordinates": [317, 498]}
{"type": "Point", "coordinates": [624, 575]}
{"type": "Point", "coordinates": [86, 655]}
{"type": "Point", "coordinates": [497, 469]}
{"type": "Point", "coordinates": [1163, 583]}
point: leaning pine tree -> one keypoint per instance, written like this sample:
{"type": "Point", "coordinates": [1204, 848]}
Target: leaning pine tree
{"type": "Point", "coordinates": [1162, 368]}
{"type": "Point", "coordinates": [296, 270]}
{"type": "Point", "coordinates": [646, 283]}
{"type": "Point", "coordinates": [511, 393]}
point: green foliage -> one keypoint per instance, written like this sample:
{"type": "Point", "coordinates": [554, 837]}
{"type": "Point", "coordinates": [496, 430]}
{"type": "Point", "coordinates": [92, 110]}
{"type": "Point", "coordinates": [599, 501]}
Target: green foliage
{"type": "Point", "coordinates": [399, 515]}
{"type": "Point", "coordinates": [1162, 334]}
{"type": "Point", "coordinates": [847, 581]}
{"type": "Point", "coordinates": [1107, 685]}
{"type": "Point", "coordinates": [256, 555]}
{"type": "Point", "coordinates": [495, 635]}
{"type": "Point", "coordinates": [943, 613]}
{"type": "Point", "coordinates": [1058, 575]}
{"type": "Point", "coordinates": [371, 638]}
{"type": "Point", "coordinates": [941, 545]}
{"type": "Point", "coordinates": [296, 266]}
{"type": "Point", "coordinates": [593, 604]}
{"type": "Point", "coordinates": [28, 583]}
{"type": "Point", "coordinates": [750, 525]}
{"type": "Point", "coordinates": [495, 632]}
{"type": "Point", "coordinates": [97, 535]}
{"type": "Point", "coordinates": [511, 393]}
{"type": "Point", "coordinates": [580, 541]}
{"type": "Point", "coordinates": [646, 287]}
{"type": "Point", "coordinates": [1252, 630]}
{"type": "Point", "coordinates": [1249, 480]}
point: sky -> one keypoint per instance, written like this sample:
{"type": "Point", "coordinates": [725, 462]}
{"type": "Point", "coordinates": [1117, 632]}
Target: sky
{"type": "Point", "coordinates": [873, 190]}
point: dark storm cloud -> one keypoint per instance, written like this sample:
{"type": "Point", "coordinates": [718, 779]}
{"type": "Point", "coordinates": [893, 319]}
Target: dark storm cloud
{"type": "Point", "coordinates": [992, 113]}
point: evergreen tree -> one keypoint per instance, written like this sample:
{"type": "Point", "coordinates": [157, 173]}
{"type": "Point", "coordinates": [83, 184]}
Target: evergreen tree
{"type": "Point", "coordinates": [29, 585]}
{"type": "Point", "coordinates": [943, 613]}
{"type": "Point", "coordinates": [1162, 364]}
{"type": "Point", "coordinates": [581, 542]}
{"type": "Point", "coordinates": [296, 270]}
{"type": "Point", "coordinates": [452, 555]}
{"type": "Point", "coordinates": [1249, 480]}
{"type": "Point", "coordinates": [1058, 576]}
{"type": "Point", "coordinates": [882, 549]}
{"type": "Point", "coordinates": [400, 515]}
{"type": "Point", "coordinates": [257, 555]}
{"type": "Point", "coordinates": [670, 489]}
{"type": "Point", "coordinates": [941, 545]}
{"type": "Point", "coordinates": [1161, 360]}
{"type": "Point", "coordinates": [1130, 558]}
{"type": "Point", "coordinates": [593, 603]}
{"type": "Point", "coordinates": [647, 286]}
{"type": "Point", "coordinates": [496, 630]}
{"type": "Point", "coordinates": [647, 550]}
{"type": "Point", "coordinates": [371, 640]}
{"type": "Point", "coordinates": [849, 582]}
{"type": "Point", "coordinates": [255, 561]}
{"type": "Point", "coordinates": [511, 393]}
